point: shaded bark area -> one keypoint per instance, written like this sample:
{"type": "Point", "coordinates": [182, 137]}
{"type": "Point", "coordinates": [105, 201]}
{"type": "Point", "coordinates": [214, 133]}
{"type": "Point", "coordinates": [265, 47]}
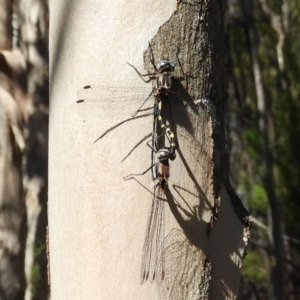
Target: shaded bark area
{"type": "Point", "coordinates": [194, 37]}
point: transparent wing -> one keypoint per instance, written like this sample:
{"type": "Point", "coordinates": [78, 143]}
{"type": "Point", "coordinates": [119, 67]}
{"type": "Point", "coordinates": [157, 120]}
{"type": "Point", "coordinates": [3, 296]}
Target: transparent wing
{"type": "Point", "coordinates": [183, 266]}
{"type": "Point", "coordinates": [118, 105]}
{"type": "Point", "coordinates": [96, 101]}
{"type": "Point", "coordinates": [154, 237]}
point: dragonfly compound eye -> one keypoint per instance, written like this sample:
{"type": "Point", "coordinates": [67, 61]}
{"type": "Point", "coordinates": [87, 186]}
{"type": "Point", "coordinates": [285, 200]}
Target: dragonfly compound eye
{"type": "Point", "coordinates": [165, 65]}
{"type": "Point", "coordinates": [162, 154]}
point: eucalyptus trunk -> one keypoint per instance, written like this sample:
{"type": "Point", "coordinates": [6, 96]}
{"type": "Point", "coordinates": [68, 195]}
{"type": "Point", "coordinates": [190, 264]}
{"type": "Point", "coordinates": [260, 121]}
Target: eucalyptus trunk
{"type": "Point", "coordinates": [12, 208]}
{"type": "Point", "coordinates": [97, 220]}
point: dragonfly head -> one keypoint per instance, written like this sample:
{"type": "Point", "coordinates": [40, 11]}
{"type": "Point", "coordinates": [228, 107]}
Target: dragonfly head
{"type": "Point", "coordinates": [163, 154]}
{"type": "Point", "coordinates": [165, 65]}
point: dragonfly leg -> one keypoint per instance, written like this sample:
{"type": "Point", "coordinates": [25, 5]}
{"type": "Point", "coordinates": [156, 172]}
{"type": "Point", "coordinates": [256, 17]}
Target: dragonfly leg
{"type": "Point", "coordinates": [138, 110]}
{"type": "Point", "coordinates": [130, 176]}
{"type": "Point", "coordinates": [150, 75]}
{"type": "Point", "coordinates": [152, 58]}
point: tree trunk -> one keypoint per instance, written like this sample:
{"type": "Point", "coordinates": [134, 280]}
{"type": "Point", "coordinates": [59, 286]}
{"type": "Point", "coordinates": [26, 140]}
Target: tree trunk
{"type": "Point", "coordinates": [96, 219]}
{"type": "Point", "coordinates": [33, 39]}
{"type": "Point", "coordinates": [12, 208]}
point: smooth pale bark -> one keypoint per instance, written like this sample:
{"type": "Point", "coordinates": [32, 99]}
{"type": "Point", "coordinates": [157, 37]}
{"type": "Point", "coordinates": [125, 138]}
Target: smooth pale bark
{"type": "Point", "coordinates": [97, 220]}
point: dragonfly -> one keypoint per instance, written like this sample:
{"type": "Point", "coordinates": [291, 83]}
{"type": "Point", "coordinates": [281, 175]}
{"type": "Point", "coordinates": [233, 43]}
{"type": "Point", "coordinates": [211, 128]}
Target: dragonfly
{"type": "Point", "coordinates": [155, 226]}
{"type": "Point", "coordinates": [104, 101]}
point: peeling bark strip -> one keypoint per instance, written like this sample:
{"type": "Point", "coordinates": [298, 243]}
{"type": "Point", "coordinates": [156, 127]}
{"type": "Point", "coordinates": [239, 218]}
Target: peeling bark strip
{"type": "Point", "coordinates": [194, 38]}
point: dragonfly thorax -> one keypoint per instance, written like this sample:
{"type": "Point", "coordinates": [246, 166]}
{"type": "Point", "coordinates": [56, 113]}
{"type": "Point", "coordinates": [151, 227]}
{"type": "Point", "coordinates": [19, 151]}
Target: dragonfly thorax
{"type": "Point", "coordinates": [163, 83]}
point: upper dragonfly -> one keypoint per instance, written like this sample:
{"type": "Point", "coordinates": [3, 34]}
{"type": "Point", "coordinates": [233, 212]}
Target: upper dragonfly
{"type": "Point", "coordinates": [96, 100]}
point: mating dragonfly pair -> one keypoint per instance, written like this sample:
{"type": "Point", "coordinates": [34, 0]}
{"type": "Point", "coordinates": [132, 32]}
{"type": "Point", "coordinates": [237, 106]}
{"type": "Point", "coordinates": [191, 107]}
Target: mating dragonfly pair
{"type": "Point", "coordinates": [93, 104]}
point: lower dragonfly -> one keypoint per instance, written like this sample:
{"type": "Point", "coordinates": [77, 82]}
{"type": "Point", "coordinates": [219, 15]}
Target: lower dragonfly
{"type": "Point", "coordinates": [155, 226]}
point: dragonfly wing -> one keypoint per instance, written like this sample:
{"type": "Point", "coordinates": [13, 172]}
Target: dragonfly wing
{"type": "Point", "coordinates": [104, 102]}
{"type": "Point", "coordinates": [154, 238]}
{"type": "Point", "coordinates": [183, 265]}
